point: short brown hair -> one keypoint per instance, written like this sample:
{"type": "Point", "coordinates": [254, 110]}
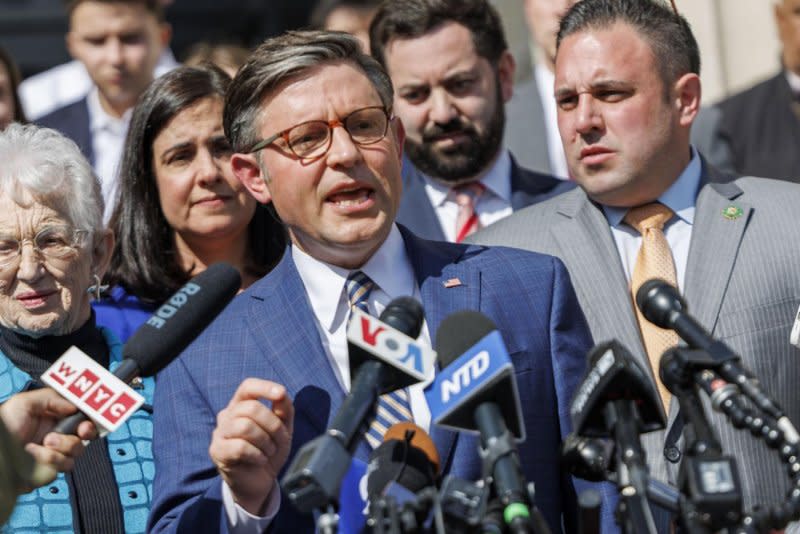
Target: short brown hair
{"type": "Point", "coordinates": [153, 6]}
{"type": "Point", "coordinates": [408, 19]}
{"type": "Point", "coordinates": [284, 57]}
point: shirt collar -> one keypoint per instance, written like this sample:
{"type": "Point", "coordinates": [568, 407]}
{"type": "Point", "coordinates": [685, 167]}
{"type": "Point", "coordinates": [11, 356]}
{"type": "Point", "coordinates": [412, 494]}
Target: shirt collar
{"type": "Point", "coordinates": [496, 179]}
{"type": "Point", "coordinates": [389, 267]}
{"type": "Point", "coordinates": [794, 81]}
{"type": "Point", "coordinates": [99, 119]}
{"type": "Point", "coordinates": [680, 197]}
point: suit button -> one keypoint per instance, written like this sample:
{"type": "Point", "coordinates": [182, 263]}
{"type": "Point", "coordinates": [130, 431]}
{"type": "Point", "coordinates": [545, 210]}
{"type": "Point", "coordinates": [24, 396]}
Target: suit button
{"type": "Point", "coordinates": [672, 454]}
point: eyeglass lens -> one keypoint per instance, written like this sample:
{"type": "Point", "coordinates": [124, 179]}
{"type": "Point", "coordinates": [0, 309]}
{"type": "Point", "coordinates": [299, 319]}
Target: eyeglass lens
{"type": "Point", "coordinates": [52, 241]}
{"type": "Point", "coordinates": [365, 126]}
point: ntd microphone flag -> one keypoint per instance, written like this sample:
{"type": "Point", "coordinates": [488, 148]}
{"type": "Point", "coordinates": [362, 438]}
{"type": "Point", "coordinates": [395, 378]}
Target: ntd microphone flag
{"type": "Point", "coordinates": [484, 373]}
{"type": "Point", "coordinates": [378, 340]}
{"type": "Point", "coordinates": [106, 399]}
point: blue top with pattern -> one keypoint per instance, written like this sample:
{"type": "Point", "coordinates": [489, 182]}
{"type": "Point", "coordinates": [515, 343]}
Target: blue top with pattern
{"type": "Point", "coordinates": [48, 509]}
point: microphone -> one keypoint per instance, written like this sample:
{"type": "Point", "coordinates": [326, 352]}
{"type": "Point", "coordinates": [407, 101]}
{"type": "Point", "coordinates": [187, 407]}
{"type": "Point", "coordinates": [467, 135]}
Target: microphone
{"type": "Point", "coordinates": [592, 459]}
{"type": "Point", "coordinates": [384, 356]}
{"type": "Point", "coordinates": [662, 305]}
{"type": "Point", "coordinates": [476, 391]}
{"type": "Point", "coordinates": [617, 399]}
{"type": "Point", "coordinates": [614, 378]}
{"type": "Point", "coordinates": [407, 457]}
{"type": "Point", "coordinates": [401, 480]}
{"type": "Point", "coordinates": [171, 328]}
{"type": "Point", "coordinates": [397, 468]}
{"type": "Point", "coordinates": [587, 458]}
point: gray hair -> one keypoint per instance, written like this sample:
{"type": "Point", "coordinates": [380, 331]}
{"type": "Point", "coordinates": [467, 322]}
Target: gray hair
{"type": "Point", "coordinates": [287, 56]}
{"type": "Point", "coordinates": [42, 165]}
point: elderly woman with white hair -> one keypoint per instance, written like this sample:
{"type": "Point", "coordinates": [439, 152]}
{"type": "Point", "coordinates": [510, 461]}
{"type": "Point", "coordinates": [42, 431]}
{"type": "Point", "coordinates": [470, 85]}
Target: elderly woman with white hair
{"type": "Point", "coordinates": [53, 252]}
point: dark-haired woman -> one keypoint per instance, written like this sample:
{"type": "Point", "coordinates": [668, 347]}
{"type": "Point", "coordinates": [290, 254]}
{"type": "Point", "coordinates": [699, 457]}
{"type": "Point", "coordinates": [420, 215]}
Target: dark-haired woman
{"type": "Point", "coordinates": [10, 107]}
{"type": "Point", "coordinates": [180, 207]}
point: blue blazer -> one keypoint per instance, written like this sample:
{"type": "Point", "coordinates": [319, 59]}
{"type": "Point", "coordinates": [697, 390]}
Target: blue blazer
{"type": "Point", "coordinates": [72, 120]}
{"type": "Point", "coordinates": [269, 332]}
{"type": "Point", "coordinates": [417, 214]}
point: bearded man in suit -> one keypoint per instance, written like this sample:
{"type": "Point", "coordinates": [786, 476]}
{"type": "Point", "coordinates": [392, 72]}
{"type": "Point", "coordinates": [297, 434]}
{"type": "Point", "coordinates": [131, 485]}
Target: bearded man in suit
{"type": "Point", "coordinates": [450, 65]}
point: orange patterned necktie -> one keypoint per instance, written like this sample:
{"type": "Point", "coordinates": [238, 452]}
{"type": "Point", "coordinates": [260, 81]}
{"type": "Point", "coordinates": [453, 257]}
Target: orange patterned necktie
{"type": "Point", "coordinates": [653, 261]}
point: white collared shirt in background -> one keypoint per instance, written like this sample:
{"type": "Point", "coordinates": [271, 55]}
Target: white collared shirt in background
{"type": "Point", "coordinates": [108, 140]}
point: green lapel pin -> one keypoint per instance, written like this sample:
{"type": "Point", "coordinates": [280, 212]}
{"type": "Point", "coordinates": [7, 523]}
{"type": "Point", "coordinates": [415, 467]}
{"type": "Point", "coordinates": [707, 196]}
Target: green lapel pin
{"type": "Point", "coordinates": [732, 212]}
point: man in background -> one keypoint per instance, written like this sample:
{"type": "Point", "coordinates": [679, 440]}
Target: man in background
{"type": "Point", "coordinates": [532, 128]}
{"type": "Point", "coordinates": [757, 131]}
{"type": "Point", "coordinates": [452, 72]}
{"type": "Point", "coordinates": [119, 43]}
{"type": "Point", "coordinates": [351, 16]}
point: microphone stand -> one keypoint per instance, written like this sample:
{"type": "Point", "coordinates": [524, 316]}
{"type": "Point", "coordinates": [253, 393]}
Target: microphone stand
{"type": "Point", "coordinates": [632, 475]}
{"type": "Point", "coordinates": [708, 480]}
{"type": "Point", "coordinates": [519, 512]}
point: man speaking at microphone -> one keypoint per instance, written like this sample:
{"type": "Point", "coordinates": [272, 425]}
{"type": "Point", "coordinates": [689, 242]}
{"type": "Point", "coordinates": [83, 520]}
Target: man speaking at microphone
{"type": "Point", "coordinates": [627, 90]}
{"type": "Point", "coordinates": [310, 120]}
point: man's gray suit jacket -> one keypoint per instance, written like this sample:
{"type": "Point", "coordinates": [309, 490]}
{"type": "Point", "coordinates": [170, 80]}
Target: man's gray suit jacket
{"type": "Point", "coordinates": [742, 283]}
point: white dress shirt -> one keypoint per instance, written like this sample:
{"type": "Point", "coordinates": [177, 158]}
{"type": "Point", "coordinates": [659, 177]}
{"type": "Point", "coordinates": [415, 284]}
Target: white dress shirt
{"type": "Point", "coordinates": [492, 205]}
{"type": "Point", "coordinates": [108, 140]}
{"type": "Point", "coordinates": [680, 198]}
{"type": "Point", "coordinates": [794, 81]}
{"type": "Point", "coordinates": [545, 83]}
{"type": "Point", "coordinates": [390, 269]}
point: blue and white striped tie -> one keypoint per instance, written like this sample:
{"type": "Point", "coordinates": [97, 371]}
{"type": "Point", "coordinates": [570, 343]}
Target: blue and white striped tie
{"type": "Point", "coordinates": [392, 407]}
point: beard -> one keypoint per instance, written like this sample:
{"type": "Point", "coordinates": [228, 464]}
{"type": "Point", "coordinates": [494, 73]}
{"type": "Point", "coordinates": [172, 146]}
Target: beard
{"type": "Point", "coordinates": [459, 163]}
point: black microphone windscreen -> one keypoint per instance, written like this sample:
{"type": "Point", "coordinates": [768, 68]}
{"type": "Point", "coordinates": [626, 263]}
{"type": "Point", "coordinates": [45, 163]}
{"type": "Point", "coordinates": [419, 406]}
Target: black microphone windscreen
{"type": "Point", "coordinates": [458, 332]}
{"type": "Point", "coordinates": [181, 318]}
{"type": "Point", "coordinates": [397, 461]}
{"type": "Point", "coordinates": [657, 300]}
{"type": "Point", "coordinates": [614, 374]}
{"type": "Point", "coordinates": [404, 314]}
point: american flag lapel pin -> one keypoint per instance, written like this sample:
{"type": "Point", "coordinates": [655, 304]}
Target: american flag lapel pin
{"type": "Point", "coordinates": [452, 282]}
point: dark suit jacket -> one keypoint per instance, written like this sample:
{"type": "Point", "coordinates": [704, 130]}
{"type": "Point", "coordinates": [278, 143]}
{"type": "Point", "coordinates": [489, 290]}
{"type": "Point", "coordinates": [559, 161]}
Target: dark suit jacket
{"type": "Point", "coordinates": [72, 121]}
{"type": "Point", "coordinates": [270, 332]}
{"type": "Point", "coordinates": [756, 131]}
{"type": "Point", "coordinates": [418, 215]}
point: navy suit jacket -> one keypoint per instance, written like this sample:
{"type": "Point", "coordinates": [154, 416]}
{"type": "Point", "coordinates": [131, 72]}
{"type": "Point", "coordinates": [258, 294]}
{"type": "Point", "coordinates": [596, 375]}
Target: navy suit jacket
{"type": "Point", "coordinates": [417, 213]}
{"type": "Point", "coordinates": [73, 121]}
{"type": "Point", "coordinates": [269, 331]}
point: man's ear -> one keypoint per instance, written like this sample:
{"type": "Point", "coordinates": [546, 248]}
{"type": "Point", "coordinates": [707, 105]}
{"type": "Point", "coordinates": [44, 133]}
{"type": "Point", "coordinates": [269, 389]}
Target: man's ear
{"type": "Point", "coordinates": [506, 67]}
{"type": "Point", "coordinates": [399, 132]}
{"type": "Point", "coordinates": [102, 249]}
{"type": "Point", "coordinates": [688, 92]}
{"type": "Point", "coordinates": [247, 169]}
